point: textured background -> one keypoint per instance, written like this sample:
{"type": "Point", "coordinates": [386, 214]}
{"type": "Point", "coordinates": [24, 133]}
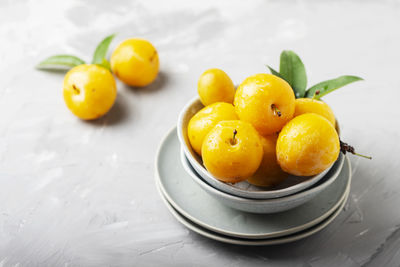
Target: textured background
{"type": "Point", "coordinates": [76, 193]}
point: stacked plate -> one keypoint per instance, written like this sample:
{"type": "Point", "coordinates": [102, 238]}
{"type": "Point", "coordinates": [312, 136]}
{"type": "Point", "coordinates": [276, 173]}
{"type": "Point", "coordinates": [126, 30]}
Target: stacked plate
{"type": "Point", "coordinates": [242, 213]}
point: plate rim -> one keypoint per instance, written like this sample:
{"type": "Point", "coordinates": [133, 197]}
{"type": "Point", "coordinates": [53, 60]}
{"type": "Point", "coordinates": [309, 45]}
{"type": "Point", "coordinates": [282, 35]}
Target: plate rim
{"type": "Point", "coordinates": [253, 242]}
{"type": "Point", "coordinates": [236, 234]}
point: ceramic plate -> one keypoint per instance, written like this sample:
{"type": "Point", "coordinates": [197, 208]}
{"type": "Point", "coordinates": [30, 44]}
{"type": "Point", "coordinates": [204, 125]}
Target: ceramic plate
{"type": "Point", "coordinates": [195, 204]}
{"type": "Point", "coordinates": [270, 205]}
{"type": "Point", "coordinates": [290, 186]}
{"type": "Point", "coordinates": [253, 242]}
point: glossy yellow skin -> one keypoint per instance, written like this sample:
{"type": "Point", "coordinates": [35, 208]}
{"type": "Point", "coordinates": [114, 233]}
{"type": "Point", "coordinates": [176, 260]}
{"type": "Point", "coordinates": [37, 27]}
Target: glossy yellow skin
{"type": "Point", "coordinates": [255, 98]}
{"type": "Point", "coordinates": [135, 62]}
{"type": "Point", "coordinates": [204, 120]}
{"type": "Point", "coordinates": [308, 105]}
{"type": "Point", "coordinates": [307, 145]}
{"type": "Point", "coordinates": [89, 91]}
{"type": "Point", "coordinates": [232, 160]}
{"type": "Point", "coordinates": [269, 173]}
{"type": "Point", "coordinates": [215, 86]}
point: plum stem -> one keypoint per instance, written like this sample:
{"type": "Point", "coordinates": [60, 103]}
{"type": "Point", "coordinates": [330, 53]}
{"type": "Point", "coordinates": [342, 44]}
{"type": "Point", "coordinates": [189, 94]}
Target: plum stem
{"type": "Point", "coordinates": [76, 89]}
{"type": "Point", "coordinates": [233, 140]}
{"type": "Point", "coordinates": [344, 148]}
{"type": "Point", "coordinates": [315, 94]}
{"type": "Point", "coordinates": [276, 110]}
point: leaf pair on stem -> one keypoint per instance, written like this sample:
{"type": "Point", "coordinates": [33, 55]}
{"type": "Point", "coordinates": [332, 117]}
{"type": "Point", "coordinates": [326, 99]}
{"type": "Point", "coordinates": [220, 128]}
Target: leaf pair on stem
{"type": "Point", "coordinates": [69, 61]}
{"type": "Point", "coordinates": [292, 70]}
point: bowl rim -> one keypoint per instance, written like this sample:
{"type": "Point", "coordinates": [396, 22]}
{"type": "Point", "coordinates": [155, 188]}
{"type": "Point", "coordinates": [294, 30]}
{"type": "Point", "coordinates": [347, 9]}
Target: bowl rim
{"type": "Point", "coordinates": [266, 194]}
{"type": "Point", "coordinates": [225, 195]}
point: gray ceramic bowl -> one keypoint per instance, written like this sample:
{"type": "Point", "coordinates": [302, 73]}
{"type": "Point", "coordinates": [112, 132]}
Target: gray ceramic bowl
{"type": "Point", "coordinates": [291, 185]}
{"type": "Point", "coordinates": [265, 205]}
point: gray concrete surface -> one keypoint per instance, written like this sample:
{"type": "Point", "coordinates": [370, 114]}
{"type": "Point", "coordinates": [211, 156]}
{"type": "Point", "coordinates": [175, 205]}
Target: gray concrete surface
{"type": "Point", "coordinates": [76, 193]}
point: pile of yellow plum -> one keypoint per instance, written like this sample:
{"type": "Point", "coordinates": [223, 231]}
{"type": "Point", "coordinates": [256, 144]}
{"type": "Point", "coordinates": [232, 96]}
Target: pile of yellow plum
{"type": "Point", "coordinates": [260, 132]}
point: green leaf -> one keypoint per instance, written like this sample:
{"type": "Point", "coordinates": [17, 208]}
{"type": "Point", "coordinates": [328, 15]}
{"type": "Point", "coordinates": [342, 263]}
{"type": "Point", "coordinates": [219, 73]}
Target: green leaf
{"type": "Point", "coordinates": [60, 62]}
{"type": "Point", "coordinates": [293, 71]}
{"type": "Point", "coordinates": [105, 64]}
{"type": "Point", "coordinates": [274, 72]}
{"type": "Point", "coordinates": [101, 50]}
{"type": "Point", "coordinates": [331, 85]}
